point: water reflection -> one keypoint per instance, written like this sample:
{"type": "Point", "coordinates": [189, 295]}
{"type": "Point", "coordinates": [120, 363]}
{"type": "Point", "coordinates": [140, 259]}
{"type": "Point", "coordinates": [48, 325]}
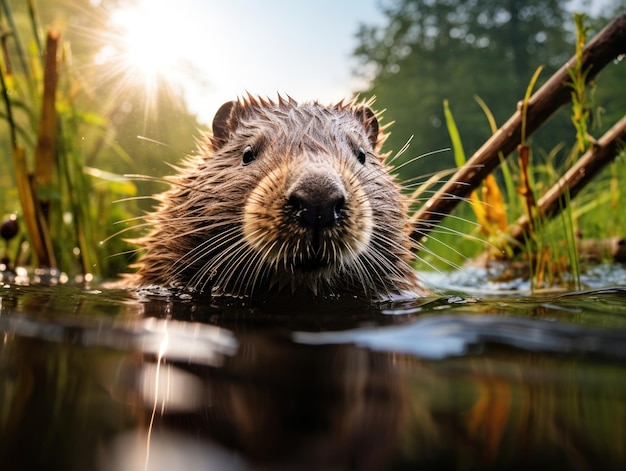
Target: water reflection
{"type": "Point", "coordinates": [100, 381]}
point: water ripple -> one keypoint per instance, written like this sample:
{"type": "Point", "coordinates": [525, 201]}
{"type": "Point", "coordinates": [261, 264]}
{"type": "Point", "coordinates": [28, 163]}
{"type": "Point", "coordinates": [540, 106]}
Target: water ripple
{"type": "Point", "coordinates": [437, 337]}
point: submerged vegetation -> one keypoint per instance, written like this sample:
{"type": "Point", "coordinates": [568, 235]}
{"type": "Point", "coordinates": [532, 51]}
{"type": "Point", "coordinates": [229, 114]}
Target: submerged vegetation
{"type": "Point", "coordinates": [67, 147]}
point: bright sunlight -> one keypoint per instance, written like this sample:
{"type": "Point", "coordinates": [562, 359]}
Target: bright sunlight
{"type": "Point", "coordinates": [149, 47]}
{"type": "Point", "coordinates": [211, 53]}
{"type": "Point", "coordinates": [149, 38]}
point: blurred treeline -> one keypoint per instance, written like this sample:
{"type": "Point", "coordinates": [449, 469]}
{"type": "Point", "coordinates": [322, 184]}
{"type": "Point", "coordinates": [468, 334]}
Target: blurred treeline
{"type": "Point", "coordinates": [428, 51]}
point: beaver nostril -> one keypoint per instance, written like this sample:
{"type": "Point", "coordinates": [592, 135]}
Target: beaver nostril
{"type": "Point", "coordinates": [339, 205]}
{"type": "Point", "coordinates": [316, 211]}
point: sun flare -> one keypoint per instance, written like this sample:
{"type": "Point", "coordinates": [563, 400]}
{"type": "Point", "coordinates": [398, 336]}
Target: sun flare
{"type": "Point", "coordinates": [148, 39]}
{"type": "Point", "coordinates": [147, 47]}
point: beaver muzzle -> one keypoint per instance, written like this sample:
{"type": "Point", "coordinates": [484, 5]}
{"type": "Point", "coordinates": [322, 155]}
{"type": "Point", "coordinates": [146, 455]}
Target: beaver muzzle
{"type": "Point", "coordinates": [316, 200]}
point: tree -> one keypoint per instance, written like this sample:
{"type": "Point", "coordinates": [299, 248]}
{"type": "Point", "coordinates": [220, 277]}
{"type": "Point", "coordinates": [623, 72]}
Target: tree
{"type": "Point", "coordinates": [431, 50]}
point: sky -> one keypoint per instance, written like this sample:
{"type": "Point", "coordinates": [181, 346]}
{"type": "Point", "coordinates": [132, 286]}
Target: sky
{"type": "Point", "coordinates": [218, 51]}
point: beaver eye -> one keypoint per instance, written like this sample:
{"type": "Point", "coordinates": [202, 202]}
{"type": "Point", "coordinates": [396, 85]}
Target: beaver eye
{"type": "Point", "coordinates": [249, 155]}
{"type": "Point", "coordinates": [361, 154]}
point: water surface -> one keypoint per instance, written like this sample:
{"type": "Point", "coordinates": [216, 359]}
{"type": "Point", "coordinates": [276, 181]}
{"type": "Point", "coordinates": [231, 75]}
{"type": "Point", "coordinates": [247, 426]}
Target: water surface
{"type": "Point", "coordinates": [112, 380]}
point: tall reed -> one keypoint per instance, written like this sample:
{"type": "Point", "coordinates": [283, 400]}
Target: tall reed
{"type": "Point", "coordinates": [61, 202]}
{"type": "Point", "coordinates": [551, 247]}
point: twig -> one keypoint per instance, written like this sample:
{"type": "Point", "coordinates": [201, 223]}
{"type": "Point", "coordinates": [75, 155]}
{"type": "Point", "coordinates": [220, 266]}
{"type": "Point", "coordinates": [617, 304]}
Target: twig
{"type": "Point", "coordinates": [605, 47]}
{"type": "Point", "coordinates": [575, 179]}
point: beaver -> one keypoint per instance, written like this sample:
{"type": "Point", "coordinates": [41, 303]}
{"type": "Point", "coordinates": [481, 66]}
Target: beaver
{"type": "Point", "coordinates": [284, 197]}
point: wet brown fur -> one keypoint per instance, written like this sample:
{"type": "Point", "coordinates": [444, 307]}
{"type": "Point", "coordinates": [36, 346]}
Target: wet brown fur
{"type": "Point", "coordinates": [227, 225]}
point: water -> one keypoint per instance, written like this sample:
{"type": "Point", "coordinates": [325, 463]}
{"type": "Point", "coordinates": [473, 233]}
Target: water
{"type": "Point", "coordinates": [494, 379]}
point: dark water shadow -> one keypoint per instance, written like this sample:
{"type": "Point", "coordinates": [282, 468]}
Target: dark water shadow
{"type": "Point", "coordinates": [95, 379]}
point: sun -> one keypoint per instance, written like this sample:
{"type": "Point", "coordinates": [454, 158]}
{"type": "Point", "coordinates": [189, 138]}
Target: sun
{"type": "Point", "coordinates": [146, 47]}
{"type": "Point", "coordinates": [150, 38]}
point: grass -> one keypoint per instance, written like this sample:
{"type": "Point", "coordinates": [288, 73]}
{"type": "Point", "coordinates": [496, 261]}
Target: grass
{"type": "Point", "coordinates": [63, 206]}
{"type": "Point", "coordinates": [551, 248]}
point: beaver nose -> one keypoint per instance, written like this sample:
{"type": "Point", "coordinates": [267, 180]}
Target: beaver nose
{"type": "Point", "coordinates": [317, 201]}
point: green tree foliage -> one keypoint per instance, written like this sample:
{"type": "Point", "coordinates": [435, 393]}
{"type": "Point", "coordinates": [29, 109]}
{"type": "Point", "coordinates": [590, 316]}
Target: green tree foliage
{"type": "Point", "coordinates": [428, 51]}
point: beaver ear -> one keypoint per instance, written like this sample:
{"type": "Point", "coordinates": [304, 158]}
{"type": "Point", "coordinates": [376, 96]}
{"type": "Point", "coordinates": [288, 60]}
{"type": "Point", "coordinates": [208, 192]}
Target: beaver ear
{"type": "Point", "coordinates": [224, 123]}
{"type": "Point", "coordinates": [368, 118]}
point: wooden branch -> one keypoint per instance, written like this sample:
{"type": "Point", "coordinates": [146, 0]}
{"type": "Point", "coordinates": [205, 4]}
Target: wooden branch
{"type": "Point", "coordinates": [605, 47]}
{"type": "Point", "coordinates": [575, 179]}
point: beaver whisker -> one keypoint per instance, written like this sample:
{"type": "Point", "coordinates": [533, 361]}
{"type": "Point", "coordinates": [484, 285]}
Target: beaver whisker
{"type": "Point", "coordinates": [219, 221]}
{"type": "Point", "coordinates": [447, 231]}
{"type": "Point", "coordinates": [199, 248]}
{"type": "Point", "coordinates": [450, 216]}
{"type": "Point", "coordinates": [396, 268]}
{"type": "Point", "coordinates": [220, 268]}
{"type": "Point", "coordinates": [336, 258]}
{"type": "Point", "coordinates": [204, 249]}
{"type": "Point", "coordinates": [385, 238]}
{"type": "Point", "coordinates": [133, 198]}
{"type": "Point", "coordinates": [229, 224]}
{"type": "Point", "coordinates": [428, 194]}
{"type": "Point", "coordinates": [366, 174]}
{"type": "Point", "coordinates": [434, 254]}
{"type": "Point", "coordinates": [131, 228]}
{"type": "Point", "coordinates": [261, 270]}
{"type": "Point", "coordinates": [415, 183]}
{"type": "Point", "coordinates": [419, 157]}
{"type": "Point", "coordinates": [134, 219]}
{"type": "Point", "coordinates": [383, 251]}
{"type": "Point", "coordinates": [451, 196]}
{"type": "Point", "coordinates": [282, 261]}
{"type": "Point", "coordinates": [370, 264]}
{"type": "Point", "coordinates": [274, 264]}
{"type": "Point", "coordinates": [146, 178]}
{"type": "Point", "coordinates": [358, 268]}
{"type": "Point", "coordinates": [392, 158]}
{"type": "Point", "coordinates": [240, 264]}
{"type": "Point", "coordinates": [217, 243]}
{"type": "Point", "coordinates": [192, 187]}
{"type": "Point", "coordinates": [271, 250]}
{"type": "Point", "coordinates": [196, 232]}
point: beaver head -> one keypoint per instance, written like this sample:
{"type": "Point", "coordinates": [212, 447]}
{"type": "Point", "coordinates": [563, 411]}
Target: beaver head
{"type": "Point", "coordinates": [284, 197]}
